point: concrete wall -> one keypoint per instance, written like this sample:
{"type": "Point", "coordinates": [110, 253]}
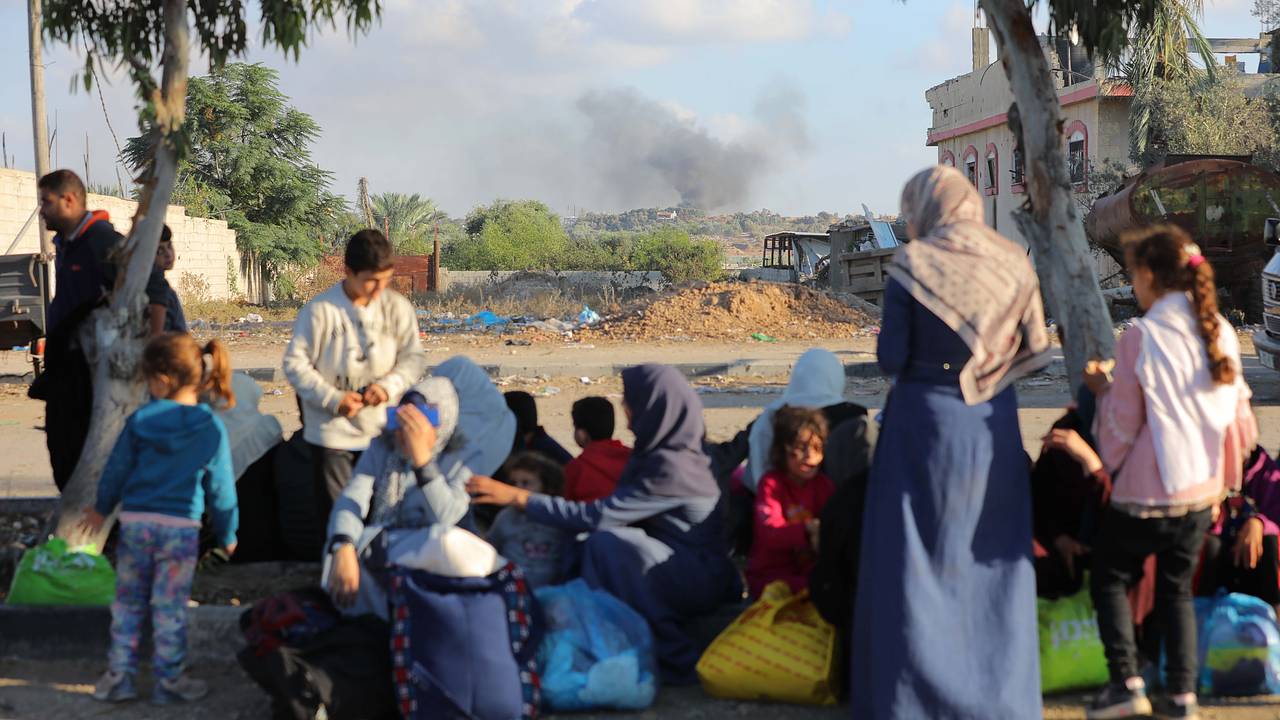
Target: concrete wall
{"type": "Point", "coordinates": [203, 246]}
{"type": "Point", "coordinates": [565, 280]}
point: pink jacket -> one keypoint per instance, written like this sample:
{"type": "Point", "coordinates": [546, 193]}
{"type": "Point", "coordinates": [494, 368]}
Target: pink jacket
{"type": "Point", "coordinates": [1126, 448]}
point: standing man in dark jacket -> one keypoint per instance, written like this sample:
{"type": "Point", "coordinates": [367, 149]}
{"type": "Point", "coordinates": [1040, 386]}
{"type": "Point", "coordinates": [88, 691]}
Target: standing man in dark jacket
{"type": "Point", "coordinates": [85, 273]}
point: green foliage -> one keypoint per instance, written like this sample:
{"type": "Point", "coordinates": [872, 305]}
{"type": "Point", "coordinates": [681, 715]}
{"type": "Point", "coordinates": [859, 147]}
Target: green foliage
{"type": "Point", "coordinates": [680, 258]}
{"type": "Point", "coordinates": [510, 235]}
{"type": "Point", "coordinates": [410, 219]}
{"type": "Point", "coordinates": [132, 31]}
{"type": "Point", "coordinates": [1203, 116]}
{"type": "Point", "coordinates": [250, 164]}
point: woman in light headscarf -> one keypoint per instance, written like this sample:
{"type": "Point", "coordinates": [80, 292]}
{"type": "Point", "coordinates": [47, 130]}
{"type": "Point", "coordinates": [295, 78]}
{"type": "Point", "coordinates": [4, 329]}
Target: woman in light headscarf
{"type": "Point", "coordinates": [945, 616]}
{"type": "Point", "coordinates": [656, 542]}
{"type": "Point", "coordinates": [398, 490]}
{"type": "Point", "coordinates": [817, 381]}
{"type": "Point", "coordinates": [487, 428]}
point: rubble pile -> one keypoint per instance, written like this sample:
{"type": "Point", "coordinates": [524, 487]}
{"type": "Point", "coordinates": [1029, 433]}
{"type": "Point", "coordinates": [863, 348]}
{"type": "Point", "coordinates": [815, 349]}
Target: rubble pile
{"type": "Point", "coordinates": [736, 311]}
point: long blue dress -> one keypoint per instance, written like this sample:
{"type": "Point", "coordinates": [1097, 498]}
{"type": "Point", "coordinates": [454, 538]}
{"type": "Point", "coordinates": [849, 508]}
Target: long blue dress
{"type": "Point", "coordinates": [945, 619]}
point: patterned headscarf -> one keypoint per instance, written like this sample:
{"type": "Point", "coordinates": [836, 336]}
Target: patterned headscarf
{"type": "Point", "coordinates": [974, 279]}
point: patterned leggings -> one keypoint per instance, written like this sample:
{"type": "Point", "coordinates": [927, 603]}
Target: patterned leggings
{"type": "Point", "coordinates": [155, 565]}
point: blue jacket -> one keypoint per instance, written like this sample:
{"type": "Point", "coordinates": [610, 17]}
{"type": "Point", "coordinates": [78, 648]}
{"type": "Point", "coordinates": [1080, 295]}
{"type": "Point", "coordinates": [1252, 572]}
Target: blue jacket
{"type": "Point", "coordinates": [168, 459]}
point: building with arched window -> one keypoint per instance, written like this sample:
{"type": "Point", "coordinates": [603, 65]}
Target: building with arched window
{"type": "Point", "coordinates": [971, 131]}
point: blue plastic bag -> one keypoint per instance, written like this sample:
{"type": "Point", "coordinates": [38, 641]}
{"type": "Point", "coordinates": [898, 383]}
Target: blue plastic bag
{"type": "Point", "coordinates": [487, 318]}
{"type": "Point", "coordinates": [588, 316]}
{"type": "Point", "coordinates": [597, 653]}
{"type": "Point", "coordinates": [1239, 643]}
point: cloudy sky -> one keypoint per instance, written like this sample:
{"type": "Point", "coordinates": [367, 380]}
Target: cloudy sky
{"type": "Point", "coordinates": [795, 105]}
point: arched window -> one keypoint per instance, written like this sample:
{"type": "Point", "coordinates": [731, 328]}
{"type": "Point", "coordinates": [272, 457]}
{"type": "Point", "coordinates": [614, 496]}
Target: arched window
{"type": "Point", "coordinates": [991, 180]}
{"type": "Point", "coordinates": [947, 158]}
{"type": "Point", "coordinates": [969, 164]}
{"type": "Point", "coordinates": [1077, 135]}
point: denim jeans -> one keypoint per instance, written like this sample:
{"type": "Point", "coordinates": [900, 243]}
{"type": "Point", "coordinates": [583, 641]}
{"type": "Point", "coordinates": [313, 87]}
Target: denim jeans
{"type": "Point", "coordinates": [1120, 548]}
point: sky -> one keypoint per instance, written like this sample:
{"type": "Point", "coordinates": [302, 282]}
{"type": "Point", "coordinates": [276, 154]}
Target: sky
{"type": "Point", "coordinates": [798, 106]}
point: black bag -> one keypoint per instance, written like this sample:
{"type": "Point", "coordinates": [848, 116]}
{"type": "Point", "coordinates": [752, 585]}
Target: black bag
{"type": "Point", "coordinates": [302, 527]}
{"type": "Point", "coordinates": [347, 670]}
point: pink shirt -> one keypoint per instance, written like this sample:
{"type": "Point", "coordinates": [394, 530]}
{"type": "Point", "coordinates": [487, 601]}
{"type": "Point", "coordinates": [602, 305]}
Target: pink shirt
{"type": "Point", "coordinates": [1127, 450]}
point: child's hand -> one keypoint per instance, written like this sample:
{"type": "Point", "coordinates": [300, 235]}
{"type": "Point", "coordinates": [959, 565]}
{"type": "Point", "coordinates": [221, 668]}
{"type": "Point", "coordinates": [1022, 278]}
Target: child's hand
{"type": "Point", "coordinates": [417, 435]}
{"type": "Point", "coordinates": [91, 522]}
{"type": "Point", "coordinates": [812, 528]}
{"type": "Point", "coordinates": [352, 403]}
{"type": "Point", "coordinates": [1069, 550]}
{"type": "Point", "coordinates": [1070, 442]}
{"type": "Point", "coordinates": [344, 576]}
{"type": "Point", "coordinates": [487, 491]}
{"type": "Point", "coordinates": [1097, 375]}
{"type": "Point", "coordinates": [1248, 548]}
{"type": "Point", "coordinates": [231, 549]}
{"type": "Point", "coordinates": [374, 395]}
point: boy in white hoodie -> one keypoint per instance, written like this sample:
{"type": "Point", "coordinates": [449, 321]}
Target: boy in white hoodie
{"type": "Point", "coordinates": [354, 352]}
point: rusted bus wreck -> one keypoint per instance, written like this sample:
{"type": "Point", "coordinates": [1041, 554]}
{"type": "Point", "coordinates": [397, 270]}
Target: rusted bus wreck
{"type": "Point", "coordinates": [1223, 202]}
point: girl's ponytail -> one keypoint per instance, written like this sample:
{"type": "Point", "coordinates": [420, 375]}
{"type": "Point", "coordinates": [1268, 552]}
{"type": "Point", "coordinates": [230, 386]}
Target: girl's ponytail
{"type": "Point", "coordinates": [216, 380]}
{"type": "Point", "coordinates": [1177, 265]}
{"type": "Point", "coordinates": [1204, 297]}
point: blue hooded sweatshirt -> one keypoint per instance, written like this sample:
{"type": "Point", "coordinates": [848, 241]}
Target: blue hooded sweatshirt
{"type": "Point", "coordinates": [168, 460]}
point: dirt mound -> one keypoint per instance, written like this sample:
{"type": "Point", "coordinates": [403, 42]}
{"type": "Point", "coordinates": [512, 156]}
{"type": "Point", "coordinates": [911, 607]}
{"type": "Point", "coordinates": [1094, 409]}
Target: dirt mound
{"type": "Point", "coordinates": [735, 311]}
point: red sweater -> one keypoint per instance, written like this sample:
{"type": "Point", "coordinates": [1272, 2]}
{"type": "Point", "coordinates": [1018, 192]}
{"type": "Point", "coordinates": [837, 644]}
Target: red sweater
{"type": "Point", "coordinates": [594, 474]}
{"type": "Point", "coordinates": [780, 547]}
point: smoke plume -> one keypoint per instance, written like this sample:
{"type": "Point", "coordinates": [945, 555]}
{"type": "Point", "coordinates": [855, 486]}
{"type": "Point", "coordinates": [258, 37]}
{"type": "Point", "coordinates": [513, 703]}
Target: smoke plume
{"type": "Point", "coordinates": [642, 148]}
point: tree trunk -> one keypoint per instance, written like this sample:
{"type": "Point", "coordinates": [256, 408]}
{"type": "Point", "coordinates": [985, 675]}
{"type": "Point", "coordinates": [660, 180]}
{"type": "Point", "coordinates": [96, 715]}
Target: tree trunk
{"type": "Point", "coordinates": [1051, 220]}
{"type": "Point", "coordinates": [114, 335]}
{"type": "Point", "coordinates": [39, 122]}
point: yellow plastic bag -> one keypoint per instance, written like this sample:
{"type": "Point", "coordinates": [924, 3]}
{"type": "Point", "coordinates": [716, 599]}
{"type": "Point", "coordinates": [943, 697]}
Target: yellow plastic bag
{"type": "Point", "coordinates": [779, 649]}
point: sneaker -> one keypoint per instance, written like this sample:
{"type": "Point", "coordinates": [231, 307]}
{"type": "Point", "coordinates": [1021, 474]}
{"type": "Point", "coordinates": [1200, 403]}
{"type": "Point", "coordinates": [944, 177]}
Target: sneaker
{"type": "Point", "coordinates": [1166, 707]}
{"type": "Point", "coordinates": [1119, 701]}
{"type": "Point", "coordinates": [114, 687]}
{"type": "Point", "coordinates": [180, 689]}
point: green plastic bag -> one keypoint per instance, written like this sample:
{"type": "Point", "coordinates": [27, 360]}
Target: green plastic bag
{"type": "Point", "coordinates": [1071, 653]}
{"type": "Point", "coordinates": [50, 574]}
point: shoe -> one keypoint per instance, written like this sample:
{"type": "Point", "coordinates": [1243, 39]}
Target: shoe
{"type": "Point", "coordinates": [115, 687]}
{"type": "Point", "coordinates": [1118, 701]}
{"type": "Point", "coordinates": [180, 689]}
{"type": "Point", "coordinates": [1166, 708]}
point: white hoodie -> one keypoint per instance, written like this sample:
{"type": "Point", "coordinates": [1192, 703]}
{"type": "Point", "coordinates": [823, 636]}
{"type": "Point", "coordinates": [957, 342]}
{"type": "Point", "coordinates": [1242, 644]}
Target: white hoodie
{"type": "Point", "coordinates": [339, 347]}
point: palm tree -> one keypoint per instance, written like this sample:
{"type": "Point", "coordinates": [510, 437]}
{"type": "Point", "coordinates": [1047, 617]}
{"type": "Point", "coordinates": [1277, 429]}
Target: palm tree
{"type": "Point", "coordinates": [1162, 51]}
{"type": "Point", "coordinates": [407, 218]}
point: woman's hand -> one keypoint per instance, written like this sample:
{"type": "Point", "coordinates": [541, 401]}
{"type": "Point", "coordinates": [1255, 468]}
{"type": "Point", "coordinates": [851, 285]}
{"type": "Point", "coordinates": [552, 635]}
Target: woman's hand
{"type": "Point", "coordinates": [487, 491]}
{"type": "Point", "coordinates": [417, 436]}
{"type": "Point", "coordinates": [92, 522]}
{"type": "Point", "coordinates": [344, 576]}
{"type": "Point", "coordinates": [1069, 550]}
{"type": "Point", "coordinates": [1070, 442]}
{"type": "Point", "coordinates": [1097, 375]}
{"type": "Point", "coordinates": [1248, 548]}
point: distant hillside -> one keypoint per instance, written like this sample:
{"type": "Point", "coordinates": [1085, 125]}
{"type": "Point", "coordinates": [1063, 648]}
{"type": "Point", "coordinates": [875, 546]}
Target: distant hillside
{"type": "Point", "coordinates": [754, 225]}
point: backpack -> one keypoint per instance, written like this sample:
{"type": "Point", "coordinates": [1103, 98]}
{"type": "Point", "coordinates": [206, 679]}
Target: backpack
{"type": "Point", "coordinates": [464, 648]}
{"type": "Point", "coordinates": [345, 670]}
{"type": "Point", "coordinates": [1239, 644]}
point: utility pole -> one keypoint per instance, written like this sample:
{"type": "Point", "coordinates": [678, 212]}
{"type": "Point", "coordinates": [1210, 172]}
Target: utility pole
{"type": "Point", "coordinates": [39, 125]}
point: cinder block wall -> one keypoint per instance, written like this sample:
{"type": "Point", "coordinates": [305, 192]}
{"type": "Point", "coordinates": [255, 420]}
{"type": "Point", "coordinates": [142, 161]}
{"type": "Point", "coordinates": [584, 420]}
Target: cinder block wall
{"type": "Point", "coordinates": [204, 246]}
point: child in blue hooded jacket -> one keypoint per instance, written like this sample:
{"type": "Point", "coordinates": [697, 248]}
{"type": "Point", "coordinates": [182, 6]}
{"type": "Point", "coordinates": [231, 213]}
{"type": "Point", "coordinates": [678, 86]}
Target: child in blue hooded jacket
{"type": "Point", "coordinates": [171, 459]}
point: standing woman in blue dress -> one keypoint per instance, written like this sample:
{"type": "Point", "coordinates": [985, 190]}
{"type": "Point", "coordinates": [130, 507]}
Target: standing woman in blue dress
{"type": "Point", "coordinates": [945, 619]}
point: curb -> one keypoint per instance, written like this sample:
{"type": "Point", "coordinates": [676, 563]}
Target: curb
{"type": "Point", "coordinates": [732, 368]}
{"type": "Point", "coordinates": [74, 632]}
{"type": "Point", "coordinates": [29, 505]}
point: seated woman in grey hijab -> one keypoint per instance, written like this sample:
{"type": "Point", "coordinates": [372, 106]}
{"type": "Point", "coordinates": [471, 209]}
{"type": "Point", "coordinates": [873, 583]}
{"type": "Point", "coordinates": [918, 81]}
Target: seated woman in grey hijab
{"type": "Point", "coordinates": [396, 496]}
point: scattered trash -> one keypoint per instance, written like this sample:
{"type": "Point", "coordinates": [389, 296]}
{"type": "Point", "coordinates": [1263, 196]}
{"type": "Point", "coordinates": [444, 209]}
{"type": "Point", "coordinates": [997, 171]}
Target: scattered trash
{"type": "Point", "coordinates": [277, 392]}
{"type": "Point", "coordinates": [488, 319]}
{"type": "Point", "coordinates": [548, 391]}
{"type": "Point", "coordinates": [585, 380]}
{"type": "Point", "coordinates": [552, 325]}
{"type": "Point", "coordinates": [761, 337]}
{"type": "Point", "coordinates": [519, 343]}
{"type": "Point", "coordinates": [253, 318]}
{"type": "Point", "coordinates": [588, 316]}
{"type": "Point", "coordinates": [198, 325]}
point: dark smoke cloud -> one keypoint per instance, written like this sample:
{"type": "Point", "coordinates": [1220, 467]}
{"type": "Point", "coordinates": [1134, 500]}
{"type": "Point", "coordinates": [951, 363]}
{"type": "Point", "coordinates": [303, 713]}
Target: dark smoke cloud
{"type": "Point", "coordinates": [641, 148]}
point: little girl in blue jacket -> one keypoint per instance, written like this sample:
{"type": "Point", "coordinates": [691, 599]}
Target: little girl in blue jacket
{"type": "Point", "coordinates": [170, 460]}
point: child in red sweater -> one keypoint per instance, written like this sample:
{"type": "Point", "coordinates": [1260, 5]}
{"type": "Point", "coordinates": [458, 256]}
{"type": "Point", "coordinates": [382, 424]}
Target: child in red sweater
{"type": "Point", "coordinates": [594, 474]}
{"type": "Point", "coordinates": [788, 501]}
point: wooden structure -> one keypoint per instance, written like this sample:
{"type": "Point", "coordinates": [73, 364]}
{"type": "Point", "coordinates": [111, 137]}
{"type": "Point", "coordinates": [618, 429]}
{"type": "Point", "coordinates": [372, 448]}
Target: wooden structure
{"type": "Point", "coordinates": [862, 273]}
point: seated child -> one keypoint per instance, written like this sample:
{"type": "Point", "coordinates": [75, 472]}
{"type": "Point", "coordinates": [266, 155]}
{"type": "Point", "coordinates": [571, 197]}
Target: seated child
{"type": "Point", "coordinates": [789, 500]}
{"type": "Point", "coordinates": [1241, 553]}
{"type": "Point", "coordinates": [594, 474]}
{"type": "Point", "coordinates": [538, 549]}
{"type": "Point", "coordinates": [171, 461]}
